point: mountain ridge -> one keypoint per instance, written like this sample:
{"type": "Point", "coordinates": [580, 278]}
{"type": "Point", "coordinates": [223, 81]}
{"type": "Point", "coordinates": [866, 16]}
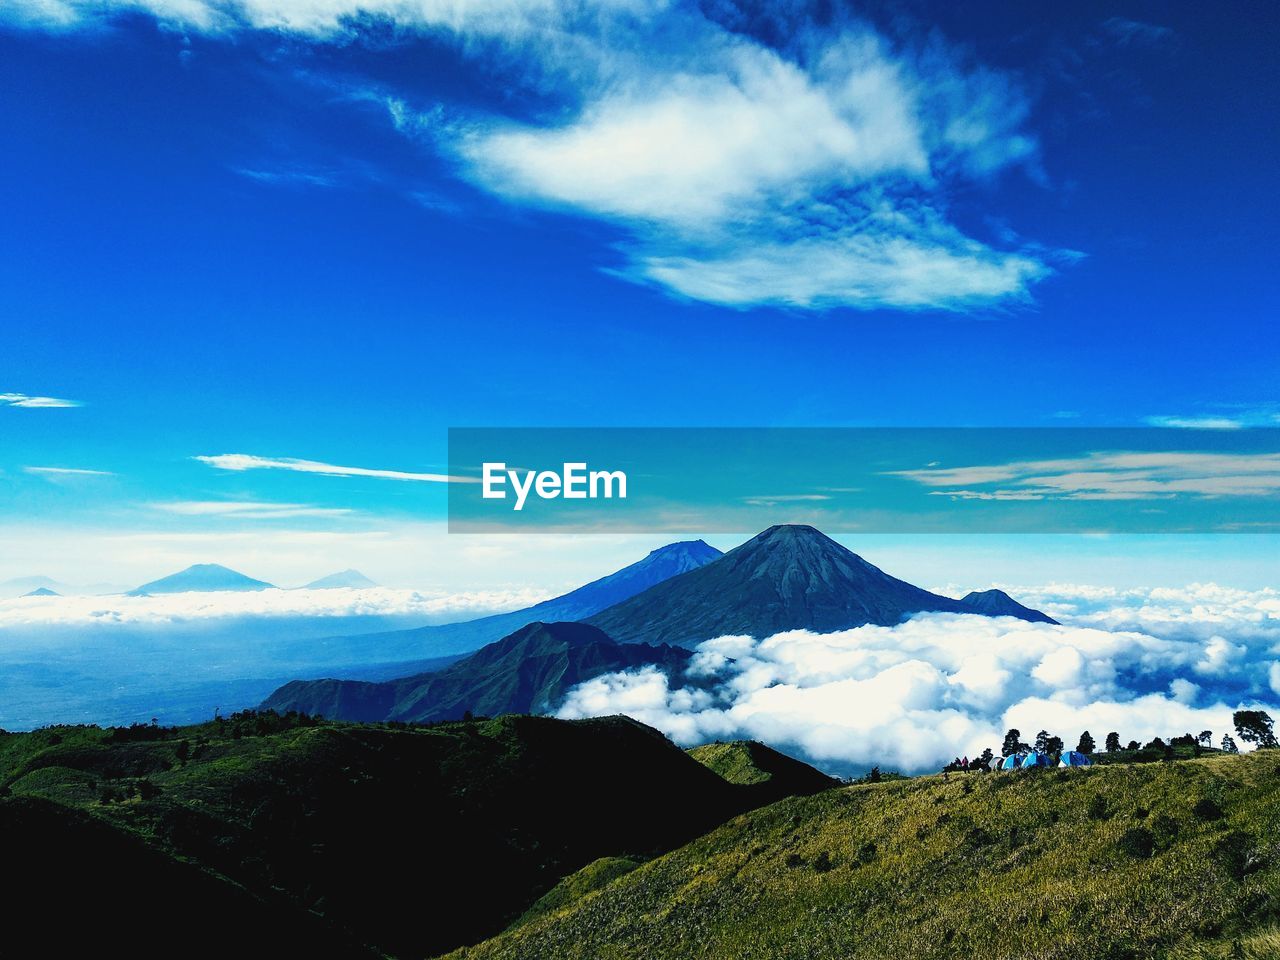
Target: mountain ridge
{"type": "Point", "coordinates": [528, 671]}
{"type": "Point", "coordinates": [788, 577]}
{"type": "Point", "coordinates": [466, 636]}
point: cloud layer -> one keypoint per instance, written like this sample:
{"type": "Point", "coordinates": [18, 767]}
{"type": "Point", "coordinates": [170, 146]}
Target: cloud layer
{"type": "Point", "coordinates": [912, 697]}
{"type": "Point", "coordinates": [176, 608]}
{"type": "Point", "coordinates": [811, 171]}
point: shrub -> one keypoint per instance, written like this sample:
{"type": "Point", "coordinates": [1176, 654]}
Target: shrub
{"type": "Point", "coordinates": [1137, 842]}
{"type": "Point", "coordinates": [1207, 809]}
{"type": "Point", "coordinates": [1097, 809]}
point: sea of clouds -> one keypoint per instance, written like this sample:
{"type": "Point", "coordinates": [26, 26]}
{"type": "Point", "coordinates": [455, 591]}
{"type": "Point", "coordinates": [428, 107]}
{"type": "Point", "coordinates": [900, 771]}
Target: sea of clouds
{"type": "Point", "coordinates": [178, 608]}
{"type": "Point", "coordinates": [1143, 663]}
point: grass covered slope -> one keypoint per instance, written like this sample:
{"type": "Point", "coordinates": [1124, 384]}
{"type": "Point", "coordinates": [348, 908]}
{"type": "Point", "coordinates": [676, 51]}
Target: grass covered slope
{"type": "Point", "coordinates": [766, 771]}
{"type": "Point", "coordinates": [1093, 864]}
{"type": "Point", "coordinates": [416, 840]}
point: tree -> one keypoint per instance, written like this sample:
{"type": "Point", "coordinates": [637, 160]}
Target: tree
{"type": "Point", "coordinates": [1054, 746]}
{"type": "Point", "coordinates": [1155, 744]}
{"type": "Point", "coordinates": [1134, 745]}
{"type": "Point", "coordinates": [1206, 738]}
{"type": "Point", "coordinates": [1229, 745]}
{"type": "Point", "coordinates": [1254, 726]}
{"type": "Point", "coordinates": [1012, 742]}
{"type": "Point", "coordinates": [1086, 744]}
{"type": "Point", "coordinates": [1042, 742]}
{"type": "Point", "coordinates": [1113, 742]}
{"type": "Point", "coordinates": [983, 759]}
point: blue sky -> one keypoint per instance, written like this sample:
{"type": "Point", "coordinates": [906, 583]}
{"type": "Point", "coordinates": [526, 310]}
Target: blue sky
{"type": "Point", "coordinates": [327, 231]}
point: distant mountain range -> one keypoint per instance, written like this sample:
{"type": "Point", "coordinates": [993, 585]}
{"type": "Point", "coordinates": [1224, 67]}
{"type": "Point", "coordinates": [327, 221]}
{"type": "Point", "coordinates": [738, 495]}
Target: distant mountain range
{"type": "Point", "coordinates": [786, 578]}
{"type": "Point", "coordinates": [206, 577]}
{"type": "Point", "coordinates": [42, 592]}
{"type": "Point", "coordinates": [453, 638]}
{"type": "Point", "coordinates": [528, 672]}
{"type": "Point", "coordinates": [349, 579]}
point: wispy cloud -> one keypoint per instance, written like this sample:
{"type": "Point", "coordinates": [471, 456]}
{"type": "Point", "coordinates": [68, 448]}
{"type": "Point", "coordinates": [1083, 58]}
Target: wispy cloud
{"type": "Point", "coordinates": [1138, 33]}
{"type": "Point", "coordinates": [247, 509]}
{"type": "Point", "coordinates": [24, 400]}
{"type": "Point", "coordinates": [1110, 476]}
{"type": "Point", "coordinates": [244, 461]}
{"type": "Point", "coordinates": [67, 472]}
{"type": "Point", "coordinates": [773, 501]}
{"type": "Point", "coordinates": [803, 177]}
{"type": "Point", "coordinates": [1197, 423]}
{"type": "Point", "coordinates": [292, 177]}
{"type": "Point", "coordinates": [816, 171]}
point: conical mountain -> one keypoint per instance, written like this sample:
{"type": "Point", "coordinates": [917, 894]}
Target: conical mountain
{"type": "Point", "coordinates": [786, 578]}
{"type": "Point", "coordinates": [350, 579]}
{"type": "Point", "coordinates": [201, 577]}
{"type": "Point", "coordinates": [997, 603]}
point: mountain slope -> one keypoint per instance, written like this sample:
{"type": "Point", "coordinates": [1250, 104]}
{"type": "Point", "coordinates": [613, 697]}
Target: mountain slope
{"type": "Point", "coordinates": [527, 672]}
{"type": "Point", "coordinates": [351, 579]}
{"type": "Point", "coordinates": [42, 592]}
{"type": "Point", "coordinates": [414, 840]}
{"type": "Point", "coordinates": [786, 578]}
{"type": "Point", "coordinates": [1113, 862]}
{"type": "Point", "coordinates": [997, 603]}
{"type": "Point", "coordinates": [87, 870]}
{"type": "Point", "coordinates": [769, 773]}
{"type": "Point", "coordinates": [449, 638]}
{"type": "Point", "coordinates": [201, 577]}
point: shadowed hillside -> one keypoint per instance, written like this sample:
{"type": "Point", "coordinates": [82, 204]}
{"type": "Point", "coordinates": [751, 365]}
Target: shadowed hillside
{"type": "Point", "coordinates": [99, 880]}
{"type": "Point", "coordinates": [414, 840]}
{"type": "Point", "coordinates": [527, 672]}
{"type": "Point", "coordinates": [1073, 864]}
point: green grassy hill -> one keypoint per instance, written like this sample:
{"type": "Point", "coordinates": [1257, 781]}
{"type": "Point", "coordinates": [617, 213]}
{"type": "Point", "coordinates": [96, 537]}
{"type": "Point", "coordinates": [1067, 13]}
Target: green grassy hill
{"type": "Point", "coordinates": [1180, 860]}
{"type": "Point", "coordinates": [415, 840]}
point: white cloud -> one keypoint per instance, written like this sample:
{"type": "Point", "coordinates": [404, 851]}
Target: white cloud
{"type": "Point", "coordinates": [67, 472]}
{"type": "Point", "coordinates": [176, 608]}
{"type": "Point", "coordinates": [244, 461]}
{"type": "Point", "coordinates": [23, 400]}
{"type": "Point", "coordinates": [804, 179]}
{"type": "Point", "coordinates": [1196, 423]}
{"type": "Point", "coordinates": [1111, 476]}
{"type": "Point", "coordinates": [939, 685]}
{"type": "Point", "coordinates": [246, 509]}
{"type": "Point", "coordinates": [817, 172]}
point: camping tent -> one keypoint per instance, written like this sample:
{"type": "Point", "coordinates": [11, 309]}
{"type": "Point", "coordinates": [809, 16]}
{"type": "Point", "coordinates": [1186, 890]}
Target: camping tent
{"type": "Point", "coordinates": [1034, 759]}
{"type": "Point", "coordinates": [1010, 762]}
{"type": "Point", "coordinates": [1073, 758]}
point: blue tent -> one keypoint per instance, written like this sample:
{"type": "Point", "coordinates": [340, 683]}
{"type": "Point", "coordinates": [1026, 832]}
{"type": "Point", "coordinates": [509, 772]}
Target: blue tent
{"type": "Point", "coordinates": [1010, 762]}
{"type": "Point", "coordinates": [1034, 759]}
{"type": "Point", "coordinates": [1073, 758]}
